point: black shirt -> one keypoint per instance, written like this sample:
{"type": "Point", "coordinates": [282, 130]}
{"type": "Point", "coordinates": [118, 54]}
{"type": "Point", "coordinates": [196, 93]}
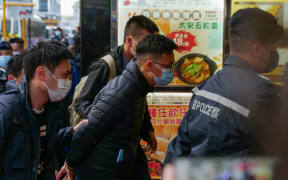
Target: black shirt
{"type": "Point", "coordinates": [42, 128]}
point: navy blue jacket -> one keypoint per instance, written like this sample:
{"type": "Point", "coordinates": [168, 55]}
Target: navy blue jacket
{"type": "Point", "coordinates": [3, 80]}
{"type": "Point", "coordinates": [20, 156]}
{"type": "Point", "coordinates": [114, 123]}
{"type": "Point", "coordinates": [218, 120]}
{"type": "Point", "coordinates": [97, 79]}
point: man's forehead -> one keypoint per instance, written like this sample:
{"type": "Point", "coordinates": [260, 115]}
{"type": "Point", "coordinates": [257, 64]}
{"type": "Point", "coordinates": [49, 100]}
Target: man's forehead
{"type": "Point", "coordinates": [169, 58]}
{"type": "Point", "coordinates": [15, 44]}
{"type": "Point", "coordinates": [64, 66]}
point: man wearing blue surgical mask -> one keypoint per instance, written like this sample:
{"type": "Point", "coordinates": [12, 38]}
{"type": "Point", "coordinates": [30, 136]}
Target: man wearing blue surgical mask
{"type": "Point", "coordinates": [135, 29]}
{"type": "Point", "coordinates": [6, 53]}
{"type": "Point", "coordinates": [57, 36]}
{"type": "Point", "coordinates": [106, 147]}
{"type": "Point", "coordinates": [5, 56]}
{"type": "Point", "coordinates": [17, 45]}
{"type": "Point", "coordinates": [34, 134]}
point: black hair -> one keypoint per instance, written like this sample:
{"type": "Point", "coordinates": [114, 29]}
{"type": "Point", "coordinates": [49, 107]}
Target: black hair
{"type": "Point", "coordinates": [18, 40]}
{"type": "Point", "coordinates": [156, 45]}
{"type": "Point", "coordinates": [136, 23]}
{"type": "Point", "coordinates": [15, 66]}
{"type": "Point", "coordinates": [48, 53]}
{"type": "Point", "coordinates": [4, 45]}
{"type": "Point", "coordinates": [238, 44]}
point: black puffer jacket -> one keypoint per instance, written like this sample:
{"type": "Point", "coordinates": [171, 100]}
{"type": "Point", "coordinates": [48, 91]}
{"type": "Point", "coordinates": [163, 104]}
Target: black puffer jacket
{"type": "Point", "coordinates": [114, 125]}
{"type": "Point", "coordinates": [97, 79]}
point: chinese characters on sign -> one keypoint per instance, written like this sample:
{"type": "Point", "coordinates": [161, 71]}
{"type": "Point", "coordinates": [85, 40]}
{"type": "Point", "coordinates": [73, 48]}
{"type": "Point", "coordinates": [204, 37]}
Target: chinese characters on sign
{"type": "Point", "coordinates": [184, 40]}
{"type": "Point", "coordinates": [181, 4]}
{"type": "Point", "coordinates": [198, 25]}
{"type": "Point", "coordinates": [163, 115]}
{"type": "Point", "coordinates": [167, 111]}
{"type": "Point", "coordinates": [19, 11]}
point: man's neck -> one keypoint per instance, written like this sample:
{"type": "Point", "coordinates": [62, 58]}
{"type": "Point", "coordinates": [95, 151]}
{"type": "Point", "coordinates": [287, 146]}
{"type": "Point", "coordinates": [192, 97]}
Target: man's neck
{"type": "Point", "coordinates": [127, 54]}
{"type": "Point", "coordinates": [146, 75]}
{"type": "Point", "coordinates": [247, 58]}
{"type": "Point", "coordinates": [37, 96]}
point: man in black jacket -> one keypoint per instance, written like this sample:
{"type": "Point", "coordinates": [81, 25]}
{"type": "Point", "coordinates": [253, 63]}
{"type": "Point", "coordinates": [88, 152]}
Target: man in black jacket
{"type": "Point", "coordinates": [136, 28]}
{"type": "Point", "coordinates": [106, 146]}
{"type": "Point", "coordinates": [33, 132]}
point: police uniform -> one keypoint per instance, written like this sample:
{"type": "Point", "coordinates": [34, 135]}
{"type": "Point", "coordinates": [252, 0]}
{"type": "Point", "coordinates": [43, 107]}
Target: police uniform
{"type": "Point", "coordinates": [218, 122]}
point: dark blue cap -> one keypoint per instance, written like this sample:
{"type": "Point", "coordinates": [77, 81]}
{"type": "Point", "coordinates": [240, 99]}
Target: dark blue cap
{"type": "Point", "coordinates": [5, 46]}
{"type": "Point", "coordinates": [257, 25]}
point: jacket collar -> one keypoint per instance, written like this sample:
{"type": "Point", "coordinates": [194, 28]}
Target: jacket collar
{"type": "Point", "coordinates": [2, 74]}
{"type": "Point", "coordinates": [132, 72]}
{"type": "Point", "coordinates": [117, 54]}
{"type": "Point", "coordinates": [238, 62]}
{"type": "Point", "coordinates": [24, 89]}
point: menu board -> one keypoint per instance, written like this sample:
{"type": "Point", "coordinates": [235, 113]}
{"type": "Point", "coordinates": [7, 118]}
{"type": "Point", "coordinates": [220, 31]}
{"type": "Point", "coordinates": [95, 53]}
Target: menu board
{"type": "Point", "coordinates": [167, 111]}
{"type": "Point", "coordinates": [196, 26]}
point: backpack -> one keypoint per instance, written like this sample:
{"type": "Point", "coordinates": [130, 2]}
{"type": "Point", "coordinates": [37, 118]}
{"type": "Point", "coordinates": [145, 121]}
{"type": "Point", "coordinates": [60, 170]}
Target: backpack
{"type": "Point", "coordinates": [74, 117]}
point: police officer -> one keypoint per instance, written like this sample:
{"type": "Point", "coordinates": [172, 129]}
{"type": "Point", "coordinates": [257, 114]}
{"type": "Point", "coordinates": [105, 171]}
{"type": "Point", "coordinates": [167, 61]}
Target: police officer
{"type": "Point", "coordinates": [218, 120]}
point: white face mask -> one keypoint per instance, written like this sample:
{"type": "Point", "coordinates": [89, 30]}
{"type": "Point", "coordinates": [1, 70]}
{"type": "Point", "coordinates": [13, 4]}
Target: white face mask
{"type": "Point", "coordinates": [64, 86]}
{"type": "Point", "coordinates": [38, 111]}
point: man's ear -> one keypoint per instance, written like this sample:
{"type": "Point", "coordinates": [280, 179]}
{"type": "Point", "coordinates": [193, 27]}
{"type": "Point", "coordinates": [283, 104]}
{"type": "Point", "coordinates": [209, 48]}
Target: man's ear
{"type": "Point", "coordinates": [255, 48]}
{"type": "Point", "coordinates": [40, 73]}
{"type": "Point", "coordinates": [128, 41]}
{"type": "Point", "coordinates": [11, 77]}
{"type": "Point", "coordinates": [148, 65]}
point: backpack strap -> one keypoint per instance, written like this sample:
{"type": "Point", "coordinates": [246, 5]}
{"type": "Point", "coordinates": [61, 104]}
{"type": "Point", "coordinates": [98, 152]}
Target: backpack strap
{"type": "Point", "coordinates": [74, 116]}
{"type": "Point", "coordinates": [112, 66]}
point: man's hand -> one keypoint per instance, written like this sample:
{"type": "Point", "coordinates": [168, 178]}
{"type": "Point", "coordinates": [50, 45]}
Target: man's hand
{"type": "Point", "coordinates": [79, 125]}
{"type": "Point", "coordinates": [66, 172]}
{"type": "Point", "coordinates": [152, 143]}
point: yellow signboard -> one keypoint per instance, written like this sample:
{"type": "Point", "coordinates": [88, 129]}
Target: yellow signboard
{"type": "Point", "coordinates": [195, 26]}
{"type": "Point", "coordinates": [167, 111]}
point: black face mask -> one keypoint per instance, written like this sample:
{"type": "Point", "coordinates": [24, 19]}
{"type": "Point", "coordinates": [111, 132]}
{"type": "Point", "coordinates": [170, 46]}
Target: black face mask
{"type": "Point", "coordinates": [272, 62]}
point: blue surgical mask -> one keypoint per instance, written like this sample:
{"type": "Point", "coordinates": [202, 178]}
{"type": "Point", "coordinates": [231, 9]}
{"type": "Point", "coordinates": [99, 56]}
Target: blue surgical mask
{"type": "Point", "coordinates": [15, 53]}
{"type": "Point", "coordinates": [58, 33]}
{"type": "Point", "coordinates": [4, 60]}
{"type": "Point", "coordinates": [166, 77]}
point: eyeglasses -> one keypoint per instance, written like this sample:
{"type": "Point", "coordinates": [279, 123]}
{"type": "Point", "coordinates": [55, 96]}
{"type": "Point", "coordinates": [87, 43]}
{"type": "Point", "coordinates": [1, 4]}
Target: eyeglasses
{"type": "Point", "coordinates": [171, 67]}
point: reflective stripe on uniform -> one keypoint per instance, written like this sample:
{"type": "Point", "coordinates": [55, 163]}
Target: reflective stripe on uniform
{"type": "Point", "coordinates": [222, 100]}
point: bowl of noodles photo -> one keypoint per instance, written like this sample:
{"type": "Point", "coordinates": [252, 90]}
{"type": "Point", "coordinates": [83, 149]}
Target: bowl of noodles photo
{"type": "Point", "coordinates": [195, 68]}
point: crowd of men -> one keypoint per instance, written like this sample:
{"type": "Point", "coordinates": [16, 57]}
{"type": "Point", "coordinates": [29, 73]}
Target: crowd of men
{"type": "Point", "coordinates": [45, 134]}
